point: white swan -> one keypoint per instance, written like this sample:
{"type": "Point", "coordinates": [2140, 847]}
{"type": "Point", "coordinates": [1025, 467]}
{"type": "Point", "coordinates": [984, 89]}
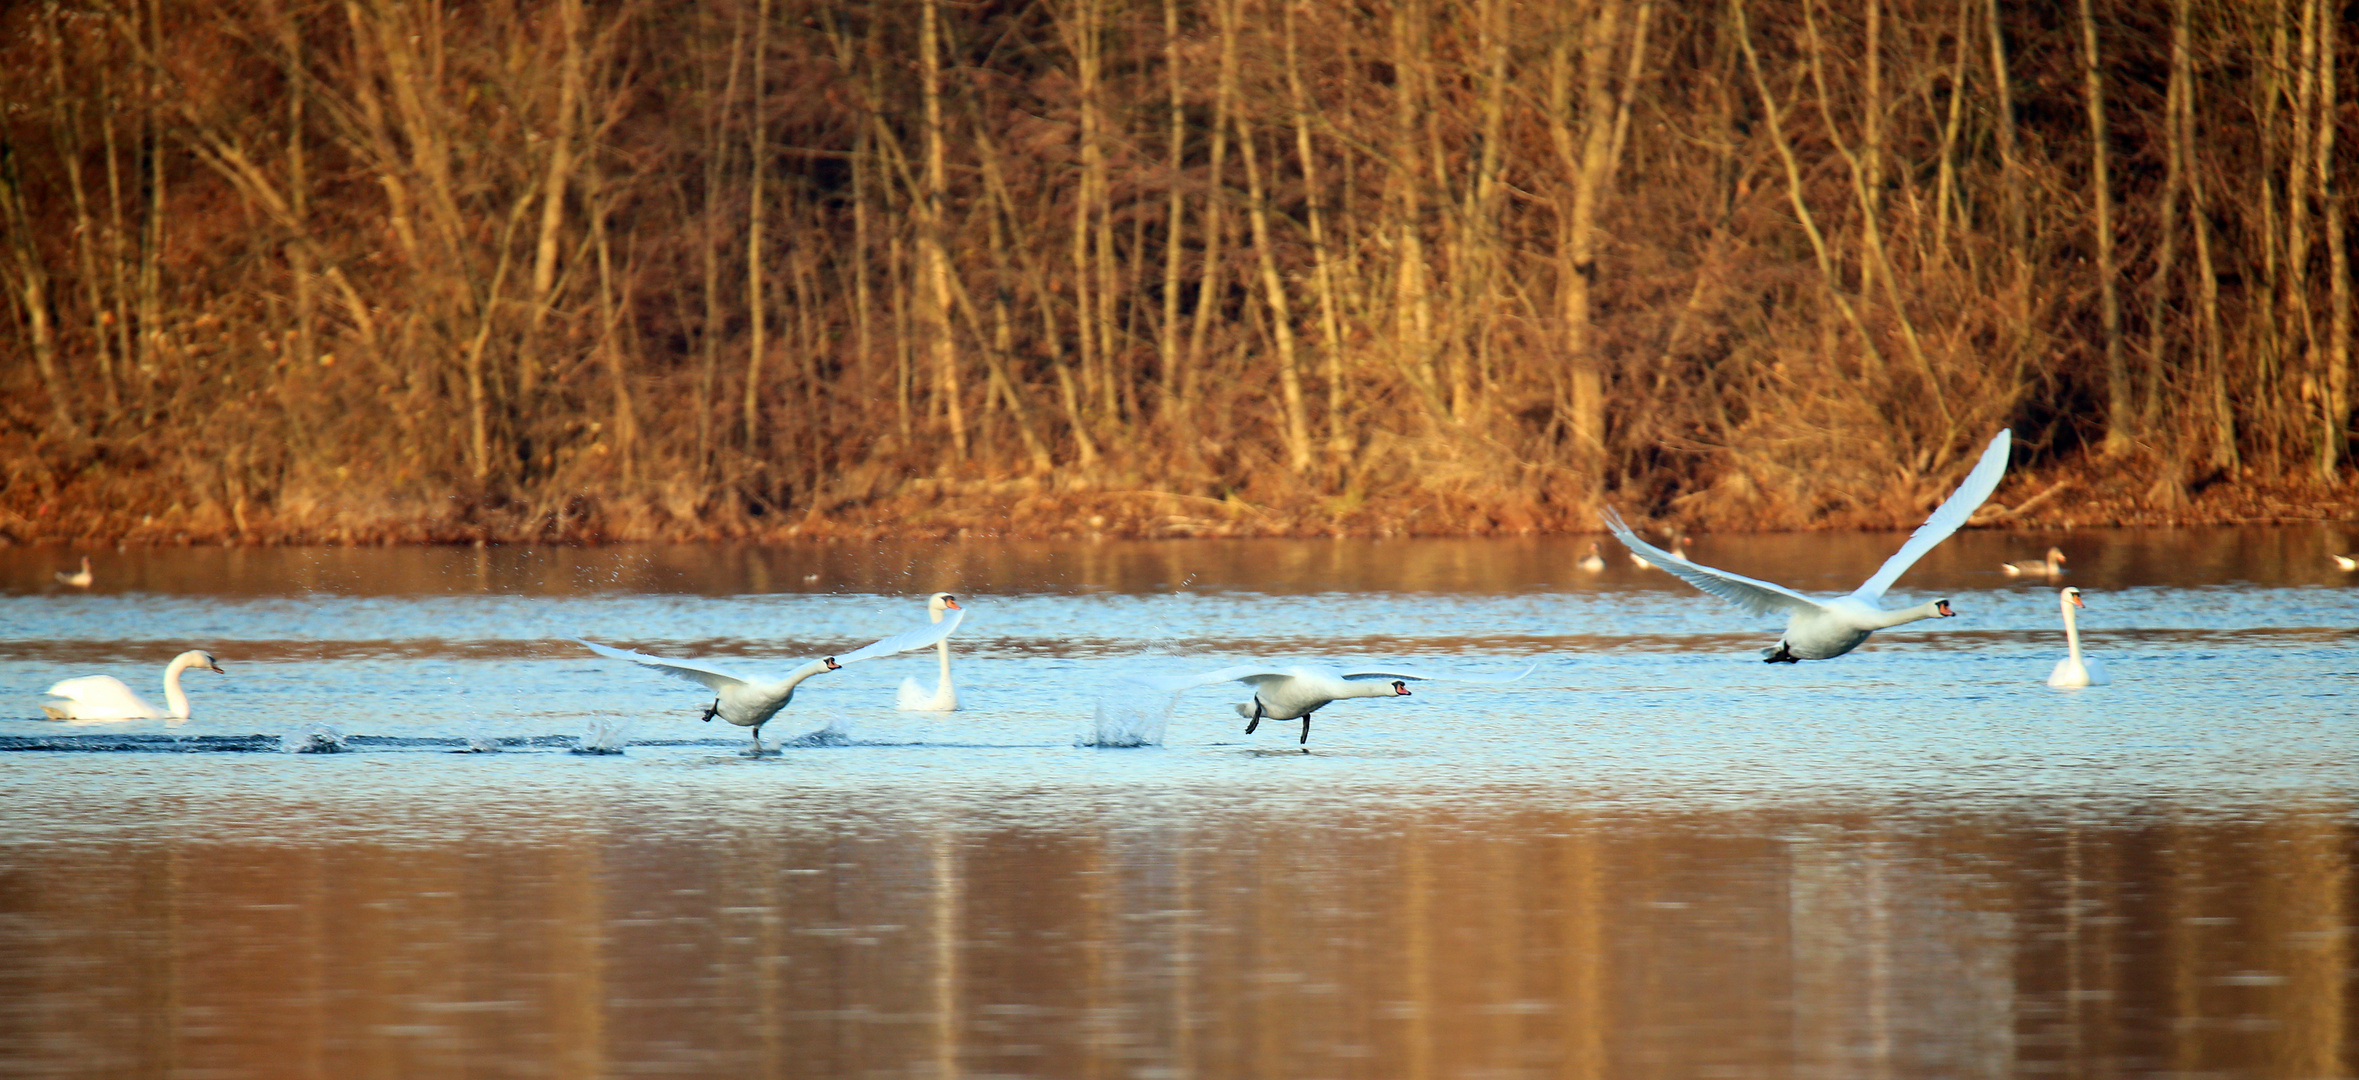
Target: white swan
{"type": "Point", "coordinates": [1822, 630]}
{"type": "Point", "coordinates": [2344, 562]}
{"type": "Point", "coordinates": [1678, 551]}
{"type": "Point", "coordinates": [751, 702]}
{"type": "Point", "coordinates": [914, 697]}
{"type": "Point", "coordinates": [2075, 669]}
{"type": "Point", "coordinates": [1592, 562]}
{"type": "Point", "coordinates": [2048, 567]}
{"type": "Point", "coordinates": [104, 697]}
{"type": "Point", "coordinates": [1296, 692]}
{"type": "Point", "coordinates": [80, 579]}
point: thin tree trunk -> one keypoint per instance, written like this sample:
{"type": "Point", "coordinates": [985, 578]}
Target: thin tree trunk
{"type": "Point", "coordinates": [1167, 340]}
{"type": "Point", "coordinates": [2120, 406]}
{"type": "Point", "coordinates": [66, 125]}
{"type": "Point", "coordinates": [2018, 226]}
{"type": "Point", "coordinates": [1322, 266]}
{"type": "Point", "coordinates": [934, 260]}
{"type": "Point", "coordinates": [1208, 281]}
{"type": "Point", "coordinates": [31, 290]}
{"type": "Point", "coordinates": [716, 169]}
{"type": "Point", "coordinates": [2332, 440]}
{"type": "Point", "coordinates": [1298, 435]}
{"type": "Point", "coordinates": [757, 198]}
{"type": "Point", "coordinates": [553, 184]}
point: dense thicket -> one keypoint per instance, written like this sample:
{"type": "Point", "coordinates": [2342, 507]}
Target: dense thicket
{"type": "Point", "coordinates": [554, 267]}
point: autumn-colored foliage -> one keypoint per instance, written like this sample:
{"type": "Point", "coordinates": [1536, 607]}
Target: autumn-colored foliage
{"type": "Point", "coordinates": [282, 269]}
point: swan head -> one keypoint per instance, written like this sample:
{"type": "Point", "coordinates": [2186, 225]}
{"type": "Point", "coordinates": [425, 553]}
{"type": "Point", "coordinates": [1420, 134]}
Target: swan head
{"type": "Point", "coordinates": [2072, 596]}
{"type": "Point", "coordinates": [2055, 555]}
{"type": "Point", "coordinates": [1400, 688]}
{"type": "Point", "coordinates": [211, 664]}
{"type": "Point", "coordinates": [1941, 608]}
{"type": "Point", "coordinates": [831, 664]}
{"type": "Point", "coordinates": [941, 602]}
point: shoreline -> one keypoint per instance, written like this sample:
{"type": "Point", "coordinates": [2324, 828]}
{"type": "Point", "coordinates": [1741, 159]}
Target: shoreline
{"type": "Point", "coordinates": [2032, 500]}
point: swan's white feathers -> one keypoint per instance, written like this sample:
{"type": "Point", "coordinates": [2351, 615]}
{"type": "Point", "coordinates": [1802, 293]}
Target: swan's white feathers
{"type": "Point", "coordinates": [1753, 595]}
{"type": "Point", "coordinates": [1951, 515]}
{"type": "Point", "coordinates": [694, 671]}
{"type": "Point", "coordinates": [1257, 674]}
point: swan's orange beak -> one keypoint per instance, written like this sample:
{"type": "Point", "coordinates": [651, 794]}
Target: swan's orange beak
{"type": "Point", "coordinates": [950, 602]}
{"type": "Point", "coordinates": [2076, 601]}
{"type": "Point", "coordinates": [1400, 689]}
{"type": "Point", "coordinates": [1943, 608]}
{"type": "Point", "coordinates": [832, 665]}
{"type": "Point", "coordinates": [216, 666]}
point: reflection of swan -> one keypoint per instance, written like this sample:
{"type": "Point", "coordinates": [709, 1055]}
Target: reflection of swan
{"type": "Point", "coordinates": [751, 702]}
{"type": "Point", "coordinates": [1818, 630]}
{"type": "Point", "coordinates": [80, 579]}
{"type": "Point", "coordinates": [2048, 567]}
{"type": "Point", "coordinates": [914, 696]}
{"type": "Point", "coordinates": [1592, 562]}
{"type": "Point", "coordinates": [1291, 692]}
{"type": "Point", "coordinates": [104, 697]}
{"type": "Point", "coordinates": [2075, 669]}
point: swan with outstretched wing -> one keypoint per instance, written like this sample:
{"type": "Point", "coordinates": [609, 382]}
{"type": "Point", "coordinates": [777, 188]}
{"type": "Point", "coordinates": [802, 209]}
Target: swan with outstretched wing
{"type": "Point", "coordinates": [1288, 693]}
{"type": "Point", "coordinates": [750, 701]}
{"type": "Point", "coordinates": [1825, 629]}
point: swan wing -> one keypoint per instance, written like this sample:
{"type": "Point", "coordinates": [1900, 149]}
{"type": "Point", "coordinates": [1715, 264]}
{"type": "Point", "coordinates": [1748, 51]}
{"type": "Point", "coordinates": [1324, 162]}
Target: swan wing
{"type": "Point", "coordinates": [1757, 597]}
{"type": "Point", "coordinates": [1953, 513]}
{"type": "Point", "coordinates": [920, 637]}
{"type": "Point", "coordinates": [1245, 673]}
{"type": "Point", "coordinates": [691, 670]}
{"type": "Point", "coordinates": [1366, 674]}
{"type": "Point", "coordinates": [102, 697]}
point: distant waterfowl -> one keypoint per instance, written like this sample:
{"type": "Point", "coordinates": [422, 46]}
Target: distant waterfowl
{"type": "Point", "coordinates": [2075, 669]}
{"type": "Point", "coordinates": [1677, 553]}
{"type": "Point", "coordinates": [2048, 567]}
{"type": "Point", "coordinates": [2344, 562]}
{"type": "Point", "coordinates": [750, 702]}
{"type": "Point", "coordinates": [1823, 630]}
{"type": "Point", "coordinates": [914, 697]}
{"type": "Point", "coordinates": [1290, 693]}
{"type": "Point", "coordinates": [1592, 562]}
{"type": "Point", "coordinates": [79, 579]}
{"type": "Point", "coordinates": [104, 697]}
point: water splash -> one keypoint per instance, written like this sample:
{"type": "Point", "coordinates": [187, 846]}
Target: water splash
{"type": "Point", "coordinates": [480, 744]}
{"type": "Point", "coordinates": [838, 732]}
{"type": "Point", "coordinates": [604, 735]}
{"type": "Point", "coordinates": [314, 738]}
{"type": "Point", "coordinates": [1129, 716]}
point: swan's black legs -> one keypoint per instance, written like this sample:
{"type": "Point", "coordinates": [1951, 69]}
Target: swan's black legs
{"type": "Point", "coordinates": [757, 750]}
{"type": "Point", "coordinates": [1256, 715]}
{"type": "Point", "coordinates": [711, 711]}
{"type": "Point", "coordinates": [1306, 730]}
{"type": "Point", "coordinates": [1783, 655]}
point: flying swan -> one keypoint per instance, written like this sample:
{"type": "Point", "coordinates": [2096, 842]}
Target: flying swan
{"type": "Point", "coordinates": [1289, 693]}
{"type": "Point", "coordinates": [914, 697]}
{"type": "Point", "coordinates": [104, 697]}
{"type": "Point", "coordinates": [751, 702]}
{"type": "Point", "coordinates": [1823, 630]}
{"type": "Point", "coordinates": [2075, 669]}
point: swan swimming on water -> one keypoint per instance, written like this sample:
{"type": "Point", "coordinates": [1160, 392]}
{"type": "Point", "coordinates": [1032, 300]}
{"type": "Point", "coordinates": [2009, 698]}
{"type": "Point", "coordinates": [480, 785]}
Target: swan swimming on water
{"type": "Point", "coordinates": [751, 701]}
{"type": "Point", "coordinates": [1825, 629]}
{"type": "Point", "coordinates": [914, 697]}
{"type": "Point", "coordinates": [104, 697]}
{"type": "Point", "coordinates": [79, 579]}
{"type": "Point", "coordinates": [1592, 562]}
{"type": "Point", "coordinates": [2075, 669]}
{"type": "Point", "coordinates": [2048, 567]}
{"type": "Point", "coordinates": [1288, 693]}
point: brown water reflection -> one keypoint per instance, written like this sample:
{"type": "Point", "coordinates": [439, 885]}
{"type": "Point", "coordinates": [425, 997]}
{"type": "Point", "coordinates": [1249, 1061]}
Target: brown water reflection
{"type": "Point", "coordinates": [1435, 941]}
{"type": "Point", "coordinates": [2099, 558]}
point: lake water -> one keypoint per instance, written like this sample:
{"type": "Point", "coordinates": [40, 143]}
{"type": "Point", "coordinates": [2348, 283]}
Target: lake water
{"type": "Point", "coordinates": [1654, 856]}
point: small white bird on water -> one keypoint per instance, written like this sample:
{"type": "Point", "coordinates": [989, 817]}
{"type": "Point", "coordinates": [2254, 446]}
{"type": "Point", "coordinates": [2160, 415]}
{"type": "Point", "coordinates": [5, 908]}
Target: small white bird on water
{"type": "Point", "coordinates": [1825, 629]}
{"type": "Point", "coordinates": [1289, 693]}
{"type": "Point", "coordinates": [914, 697]}
{"type": "Point", "coordinates": [79, 579]}
{"type": "Point", "coordinates": [750, 702]}
{"type": "Point", "coordinates": [2075, 669]}
{"type": "Point", "coordinates": [104, 697]}
{"type": "Point", "coordinates": [1592, 562]}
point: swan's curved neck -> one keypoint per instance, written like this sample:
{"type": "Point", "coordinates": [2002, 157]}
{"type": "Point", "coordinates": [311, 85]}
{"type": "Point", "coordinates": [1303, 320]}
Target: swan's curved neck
{"type": "Point", "coordinates": [943, 647]}
{"type": "Point", "coordinates": [176, 699]}
{"type": "Point", "coordinates": [1927, 610]}
{"type": "Point", "coordinates": [804, 672]}
{"type": "Point", "coordinates": [2072, 633]}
